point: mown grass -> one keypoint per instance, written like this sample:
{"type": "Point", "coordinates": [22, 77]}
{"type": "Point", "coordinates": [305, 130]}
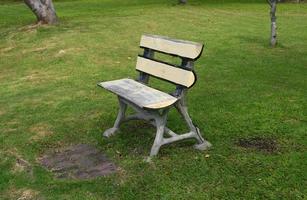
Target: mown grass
{"type": "Point", "coordinates": [49, 99]}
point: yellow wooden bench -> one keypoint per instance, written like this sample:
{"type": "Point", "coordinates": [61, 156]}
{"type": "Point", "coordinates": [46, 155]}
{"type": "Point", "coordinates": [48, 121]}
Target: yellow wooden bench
{"type": "Point", "coordinates": [151, 104]}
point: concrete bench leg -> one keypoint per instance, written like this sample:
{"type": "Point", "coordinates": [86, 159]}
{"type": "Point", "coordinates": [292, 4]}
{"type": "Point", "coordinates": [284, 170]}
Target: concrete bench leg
{"type": "Point", "coordinates": [183, 110]}
{"type": "Point", "coordinates": [120, 118]}
{"type": "Point", "coordinates": [160, 123]}
{"type": "Point", "coordinates": [158, 118]}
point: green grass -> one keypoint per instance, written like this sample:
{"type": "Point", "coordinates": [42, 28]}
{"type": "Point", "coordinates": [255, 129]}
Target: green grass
{"type": "Point", "coordinates": [49, 99]}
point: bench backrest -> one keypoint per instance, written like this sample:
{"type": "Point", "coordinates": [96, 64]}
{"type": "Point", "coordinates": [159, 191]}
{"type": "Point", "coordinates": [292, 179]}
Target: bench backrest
{"type": "Point", "coordinates": [182, 75]}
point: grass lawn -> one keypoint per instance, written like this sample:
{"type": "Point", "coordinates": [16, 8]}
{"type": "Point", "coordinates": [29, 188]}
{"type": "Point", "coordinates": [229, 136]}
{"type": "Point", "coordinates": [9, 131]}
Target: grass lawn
{"type": "Point", "coordinates": [49, 99]}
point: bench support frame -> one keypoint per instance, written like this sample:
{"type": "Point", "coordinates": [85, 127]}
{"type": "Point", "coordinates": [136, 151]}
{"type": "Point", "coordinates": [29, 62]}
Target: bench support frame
{"type": "Point", "coordinates": [158, 118]}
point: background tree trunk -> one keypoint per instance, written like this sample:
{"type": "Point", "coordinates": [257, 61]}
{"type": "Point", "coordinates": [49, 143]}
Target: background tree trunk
{"type": "Point", "coordinates": [43, 10]}
{"type": "Point", "coordinates": [182, 1]}
{"type": "Point", "coordinates": [272, 4]}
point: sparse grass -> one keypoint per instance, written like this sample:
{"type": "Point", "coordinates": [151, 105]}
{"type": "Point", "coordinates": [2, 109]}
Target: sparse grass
{"type": "Point", "coordinates": [49, 99]}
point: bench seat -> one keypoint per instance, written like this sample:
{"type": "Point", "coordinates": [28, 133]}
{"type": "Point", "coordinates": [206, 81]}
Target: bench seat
{"type": "Point", "coordinates": [139, 94]}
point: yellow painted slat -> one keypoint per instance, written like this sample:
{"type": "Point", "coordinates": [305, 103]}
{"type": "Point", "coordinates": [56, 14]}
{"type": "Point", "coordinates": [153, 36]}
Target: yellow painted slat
{"type": "Point", "coordinates": [167, 72]}
{"type": "Point", "coordinates": [177, 47]}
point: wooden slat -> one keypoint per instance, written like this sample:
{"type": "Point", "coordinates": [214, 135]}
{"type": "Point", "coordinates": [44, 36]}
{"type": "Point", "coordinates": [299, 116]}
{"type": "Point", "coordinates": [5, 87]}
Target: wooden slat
{"type": "Point", "coordinates": [181, 48]}
{"type": "Point", "coordinates": [167, 72]}
{"type": "Point", "coordinates": [139, 94]}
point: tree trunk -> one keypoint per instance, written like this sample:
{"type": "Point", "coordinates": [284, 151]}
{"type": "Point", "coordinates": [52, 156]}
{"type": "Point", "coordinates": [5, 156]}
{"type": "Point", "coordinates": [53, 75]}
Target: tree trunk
{"type": "Point", "coordinates": [43, 10]}
{"type": "Point", "coordinates": [273, 22]}
{"type": "Point", "coordinates": [182, 1]}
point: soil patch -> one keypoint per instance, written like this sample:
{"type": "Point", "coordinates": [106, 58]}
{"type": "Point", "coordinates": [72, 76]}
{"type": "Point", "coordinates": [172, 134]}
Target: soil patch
{"type": "Point", "coordinates": [80, 161]}
{"type": "Point", "coordinates": [268, 145]}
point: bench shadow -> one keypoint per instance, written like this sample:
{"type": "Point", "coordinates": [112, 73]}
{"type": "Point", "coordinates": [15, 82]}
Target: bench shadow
{"type": "Point", "coordinates": [259, 41]}
{"type": "Point", "coordinates": [136, 138]}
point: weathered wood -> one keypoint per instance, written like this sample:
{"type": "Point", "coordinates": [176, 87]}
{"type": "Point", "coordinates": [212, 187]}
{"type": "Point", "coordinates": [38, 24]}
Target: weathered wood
{"type": "Point", "coordinates": [180, 48]}
{"type": "Point", "coordinates": [167, 72]}
{"type": "Point", "coordinates": [153, 105]}
{"type": "Point", "coordinates": [140, 94]}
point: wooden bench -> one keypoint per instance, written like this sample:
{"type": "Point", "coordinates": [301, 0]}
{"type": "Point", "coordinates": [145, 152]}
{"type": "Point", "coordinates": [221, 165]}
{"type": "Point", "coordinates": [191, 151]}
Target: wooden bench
{"type": "Point", "coordinates": [151, 104]}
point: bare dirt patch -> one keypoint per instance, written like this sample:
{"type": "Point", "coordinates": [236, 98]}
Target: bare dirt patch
{"type": "Point", "coordinates": [10, 126]}
{"type": "Point", "coordinates": [7, 49]}
{"type": "Point", "coordinates": [263, 144]}
{"type": "Point", "coordinates": [46, 45]}
{"type": "Point", "coordinates": [40, 131]}
{"type": "Point", "coordinates": [28, 194]}
{"type": "Point", "coordinates": [22, 194]}
{"type": "Point", "coordinates": [68, 51]}
{"type": "Point", "coordinates": [35, 77]}
{"type": "Point", "coordinates": [21, 165]}
{"type": "Point", "coordinates": [2, 112]}
{"type": "Point", "coordinates": [80, 161]}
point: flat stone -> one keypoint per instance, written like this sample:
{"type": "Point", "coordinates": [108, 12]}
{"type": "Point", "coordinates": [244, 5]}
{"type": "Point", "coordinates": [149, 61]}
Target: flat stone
{"type": "Point", "coordinates": [80, 161]}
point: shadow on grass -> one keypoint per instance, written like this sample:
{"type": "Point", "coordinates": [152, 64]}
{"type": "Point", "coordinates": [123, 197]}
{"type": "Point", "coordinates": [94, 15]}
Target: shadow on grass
{"type": "Point", "coordinates": [136, 138]}
{"type": "Point", "coordinates": [260, 42]}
